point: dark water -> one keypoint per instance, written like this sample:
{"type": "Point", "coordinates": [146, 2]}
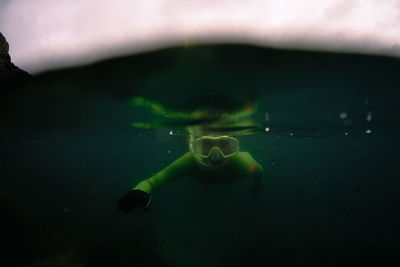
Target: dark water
{"type": "Point", "coordinates": [68, 153]}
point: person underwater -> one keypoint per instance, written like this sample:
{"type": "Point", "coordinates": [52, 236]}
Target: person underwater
{"type": "Point", "coordinates": [212, 158]}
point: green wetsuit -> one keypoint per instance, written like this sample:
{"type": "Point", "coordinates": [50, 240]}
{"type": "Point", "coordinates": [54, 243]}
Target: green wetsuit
{"type": "Point", "coordinates": [241, 165]}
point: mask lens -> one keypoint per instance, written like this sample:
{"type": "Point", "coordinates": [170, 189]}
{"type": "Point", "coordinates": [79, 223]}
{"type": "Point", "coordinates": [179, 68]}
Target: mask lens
{"type": "Point", "coordinates": [206, 147]}
{"type": "Point", "coordinates": [227, 146]}
{"type": "Point", "coordinates": [203, 147]}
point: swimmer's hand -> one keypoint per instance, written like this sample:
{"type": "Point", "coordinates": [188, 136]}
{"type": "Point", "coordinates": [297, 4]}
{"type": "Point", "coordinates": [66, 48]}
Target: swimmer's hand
{"type": "Point", "coordinates": [132, 199]}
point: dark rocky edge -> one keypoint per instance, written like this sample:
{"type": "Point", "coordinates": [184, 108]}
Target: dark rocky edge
{"type": "Point", "coordinates": [10, 75]}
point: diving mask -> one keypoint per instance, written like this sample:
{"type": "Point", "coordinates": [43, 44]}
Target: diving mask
{"type": "Point", "coordinates": [205, 146]}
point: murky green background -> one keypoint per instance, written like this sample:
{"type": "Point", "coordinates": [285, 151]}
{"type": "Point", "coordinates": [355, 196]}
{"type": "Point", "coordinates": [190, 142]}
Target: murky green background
{"type": "Point", "coordinates": [68, 153]}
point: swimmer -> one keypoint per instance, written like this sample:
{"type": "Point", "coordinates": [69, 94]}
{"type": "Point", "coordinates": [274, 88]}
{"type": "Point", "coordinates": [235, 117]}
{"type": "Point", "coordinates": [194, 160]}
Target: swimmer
{"type": "Point", "coordinates": [212, 158]}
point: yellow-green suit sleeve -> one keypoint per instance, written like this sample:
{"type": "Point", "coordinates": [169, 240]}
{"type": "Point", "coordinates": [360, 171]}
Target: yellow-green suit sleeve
{"type": "Point", "coordinates": [176, 169]}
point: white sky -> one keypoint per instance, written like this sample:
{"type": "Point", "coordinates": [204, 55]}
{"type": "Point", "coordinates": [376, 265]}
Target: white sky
{"type": "Point", "coordinates": [47, 33]}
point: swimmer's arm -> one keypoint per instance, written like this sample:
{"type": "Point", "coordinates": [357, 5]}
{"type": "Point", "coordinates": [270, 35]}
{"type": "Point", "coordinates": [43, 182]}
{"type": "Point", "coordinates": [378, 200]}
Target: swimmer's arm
{"type": "Point", "coordinates": [176, 169]}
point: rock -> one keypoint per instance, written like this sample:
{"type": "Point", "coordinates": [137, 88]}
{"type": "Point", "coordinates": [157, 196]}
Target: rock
{"type": "Point", "coordinates": [10, 74]}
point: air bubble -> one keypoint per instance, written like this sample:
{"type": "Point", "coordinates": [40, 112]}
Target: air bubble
{"type": "Point", "coordinates": [266, 116]}
{"type": "Point", "coordinates": [369, 117]}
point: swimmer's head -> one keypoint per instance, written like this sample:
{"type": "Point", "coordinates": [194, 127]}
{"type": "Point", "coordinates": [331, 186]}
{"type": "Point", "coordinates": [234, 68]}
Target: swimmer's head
{"type": "Point", "coordinates": [213, 151]}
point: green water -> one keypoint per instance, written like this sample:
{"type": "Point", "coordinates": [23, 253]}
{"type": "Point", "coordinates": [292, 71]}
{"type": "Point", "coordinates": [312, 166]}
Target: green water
{"type": "Point", "coordinates": [69, 152]}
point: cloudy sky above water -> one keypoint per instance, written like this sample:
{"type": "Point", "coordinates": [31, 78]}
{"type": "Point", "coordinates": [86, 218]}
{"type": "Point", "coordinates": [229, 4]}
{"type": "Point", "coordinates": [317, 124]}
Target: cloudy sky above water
{"type": "Point", "coordinates": [46, 33]}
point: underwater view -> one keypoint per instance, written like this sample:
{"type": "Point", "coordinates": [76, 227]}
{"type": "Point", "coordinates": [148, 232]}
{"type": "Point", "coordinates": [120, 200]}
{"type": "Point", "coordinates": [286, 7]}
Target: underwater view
{"type": "Point", "coordinates": [260, 157]}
